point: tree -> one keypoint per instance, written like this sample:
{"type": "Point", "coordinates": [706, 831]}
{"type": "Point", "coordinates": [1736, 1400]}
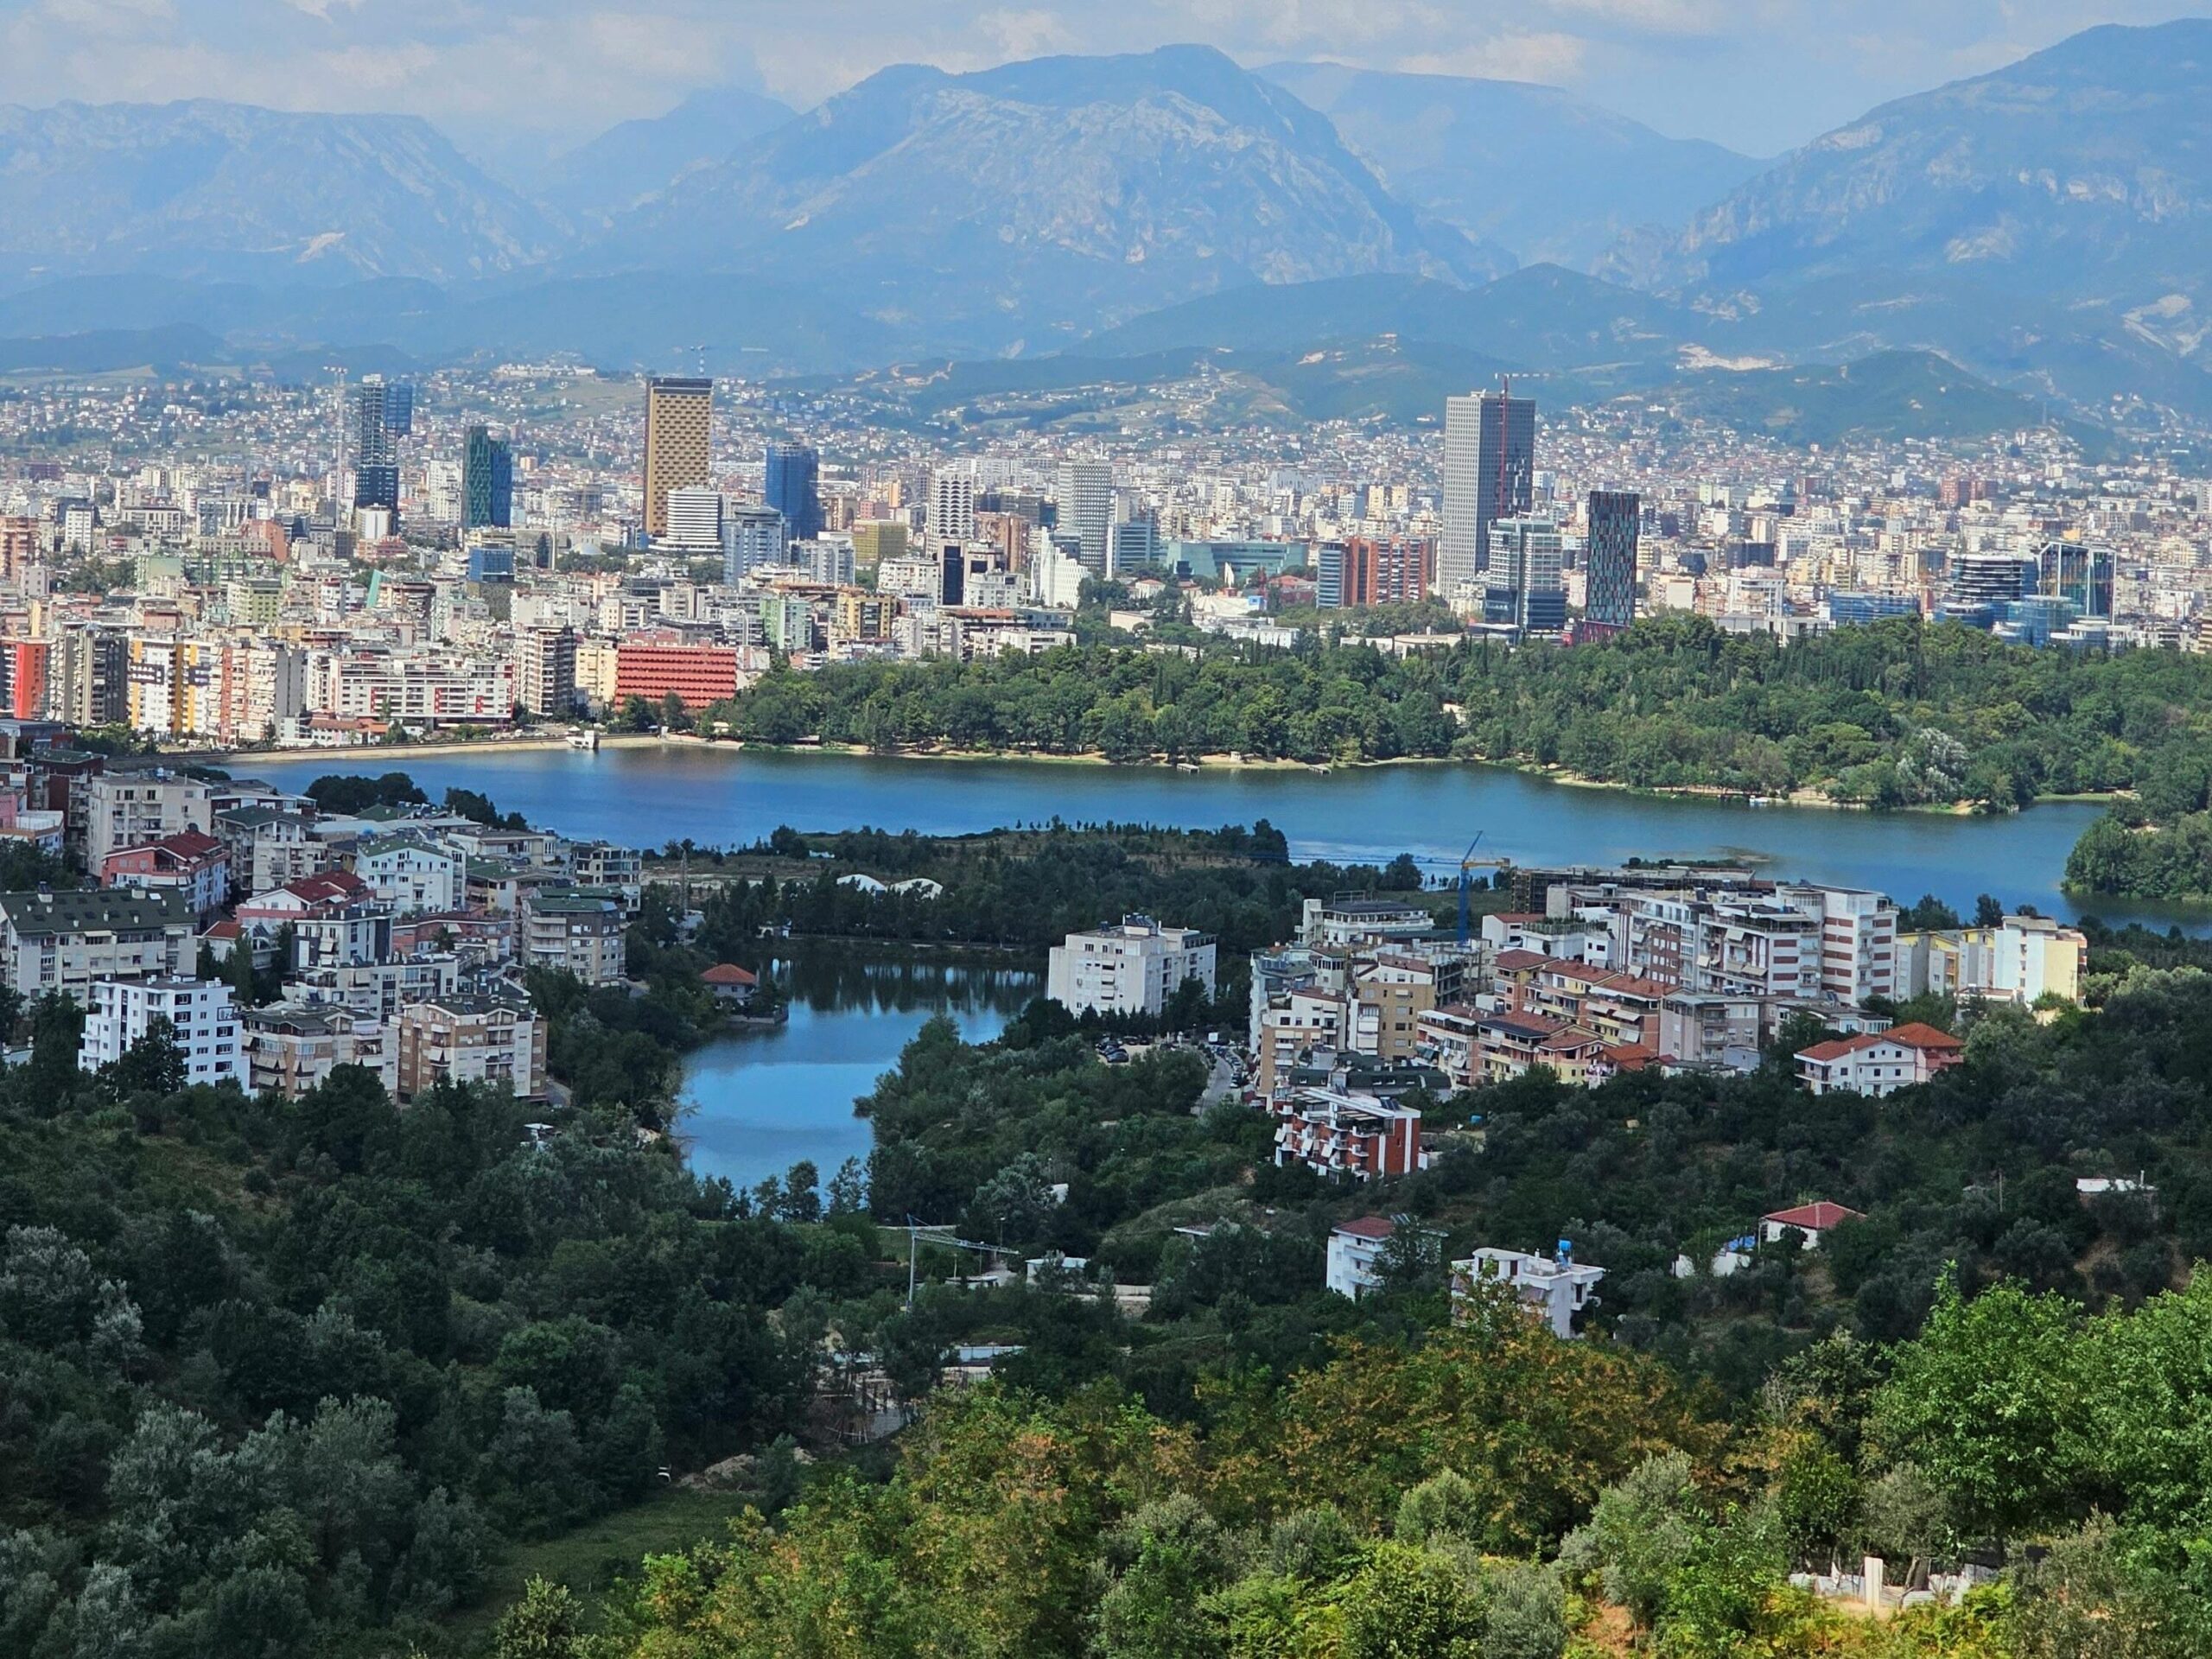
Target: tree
{"type": "Point", "coordinates": [1165, 1559]}
{"type": "Point", "coordinates": [1986, 1400]}
{"type": "Point", "coordinates": [546, 1623]}
{"type": "Point", "coordinates": [1408, 1602]}
{"type": "Point", "coordinates": [153, 1063]}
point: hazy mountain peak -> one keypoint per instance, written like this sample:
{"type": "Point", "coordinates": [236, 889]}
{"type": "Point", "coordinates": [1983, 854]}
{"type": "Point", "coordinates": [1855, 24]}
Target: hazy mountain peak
{"type": "Point", "coordinates": [1528, 166]}
{"type": "Point", "coordinates": [201, 186]}
{"type": "Point", "coordinates": [1037, 196]}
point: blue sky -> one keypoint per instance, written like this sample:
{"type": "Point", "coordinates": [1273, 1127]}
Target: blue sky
{"type": "Point", "coordinates": [521, 76]}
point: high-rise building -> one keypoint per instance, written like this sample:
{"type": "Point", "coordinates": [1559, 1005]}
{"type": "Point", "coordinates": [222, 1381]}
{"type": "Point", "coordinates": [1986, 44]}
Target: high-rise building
{"type": "Point", "coordinates": [752, 536]}
{"type": "Point", "coordinates": [952, 508]}
{"type": "Point", "coordinates": [376, 449]}
{"type": "Point", "coordinates": [545, 669]}
{"type": "Point", "coordinates": [1085, 496]}
{"type": "Point", "coordinates": [1981, 582]}
{"type": "Point", "coordinates": [1609, 561]}
{"type": "Point", "coordinates": [487, 481]}
{"type": "Point", "coordinates": [89, 683]}
{"type": "Point", "coordinates": [1490, 467]}
{"type": "Point", "coordinates": [792, 484]}
{"type": "Point", "coordinates": [1364, 570]}
{"type": "Point", "coordinates": [694, 520]}
{"type": "Point", "coordinates": [18, 546]}
{"type": "Point", "coordinates": [1525, 588]}
{"type": "Point", "coordinates": [2080, 574]}
{"type": "Point", "coordinates": [400, 409]}
{"type": "Point", "coordinates": [679, 434]}
{"type": "Point", "coordinates": [877, 539]}
{"type": "Point", "coordinates": [1135, 545]}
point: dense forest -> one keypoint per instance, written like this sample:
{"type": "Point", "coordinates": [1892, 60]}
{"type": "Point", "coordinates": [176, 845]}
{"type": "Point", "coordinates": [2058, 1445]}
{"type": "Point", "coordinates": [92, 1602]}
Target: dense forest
{"type": "Point", "coordinates": [1899, 714]}
{"type": "Point", "coordinates": [276, 1374]}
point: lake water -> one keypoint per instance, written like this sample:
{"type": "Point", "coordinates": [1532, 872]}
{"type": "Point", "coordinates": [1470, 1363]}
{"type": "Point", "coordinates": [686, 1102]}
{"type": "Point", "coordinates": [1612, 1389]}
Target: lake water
{"type": "Point", "coordinates": [755, 1102]}
{"type": "Point", "coordinates": [720, 797]}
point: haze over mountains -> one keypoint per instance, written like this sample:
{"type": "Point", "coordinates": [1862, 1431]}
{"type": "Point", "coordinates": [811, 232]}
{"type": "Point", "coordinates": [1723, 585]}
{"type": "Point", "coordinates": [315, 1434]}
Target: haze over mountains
{"type": "Point", "coordinates": [2046, 227]}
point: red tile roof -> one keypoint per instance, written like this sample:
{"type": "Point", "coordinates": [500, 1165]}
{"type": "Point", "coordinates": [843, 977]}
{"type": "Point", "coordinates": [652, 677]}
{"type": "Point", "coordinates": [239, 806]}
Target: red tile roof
{"type": "Point", "coordinates": [1916, 1036]}
{"type": "Point", "coordinates": [1367, 1227]}
{"type": "Point", "coordinates": [1813, 1218]}
{"type": "Point", "coordinates": [729, 973]}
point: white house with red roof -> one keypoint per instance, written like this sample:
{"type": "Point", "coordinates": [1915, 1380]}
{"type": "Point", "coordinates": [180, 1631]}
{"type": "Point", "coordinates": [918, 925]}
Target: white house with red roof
{"type": "Point", "coordinates": [730, 983]}
{"type": "Point", "coordinates": [1879, 1063]}
{"type": "Point", "coordinates": [1815, 1221]}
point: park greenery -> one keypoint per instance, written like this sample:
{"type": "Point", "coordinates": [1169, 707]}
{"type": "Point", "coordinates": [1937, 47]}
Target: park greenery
{"type": "Point", "coordinates": [1900, 714]}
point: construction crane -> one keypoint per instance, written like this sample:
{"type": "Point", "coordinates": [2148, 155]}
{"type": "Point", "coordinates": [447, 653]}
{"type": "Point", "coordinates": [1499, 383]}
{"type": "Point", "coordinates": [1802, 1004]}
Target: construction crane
{"type": "Point", "coordinates": [1468, 865]}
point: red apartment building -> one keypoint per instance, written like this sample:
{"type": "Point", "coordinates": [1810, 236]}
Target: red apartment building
{"type": "Point", "coordinates": [700, 675]}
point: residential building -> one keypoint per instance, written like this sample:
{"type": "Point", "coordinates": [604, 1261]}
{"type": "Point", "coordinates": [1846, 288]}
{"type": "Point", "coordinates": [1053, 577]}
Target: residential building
{"type": "Point", "coordinates": [1363, 570]}
{"type": "Point", "coordinates": [1132, 967]}
{"type": "Point", "coordinates": [952, 510]}
{"type": "Point", "coordinates": [2021, 960]}
{"type": "Point", "coordinates": [606, 868]}
{"type": "Point", "coordinates": [195, 865]}
{"type": "Point", "coordinates": [569, 930]}
{"type": "Point", "coordinates": [131, 808]}
{"type": "Point", "coordinates": [292, 1047]}
{"type": "Point", "coordinates": [546, 671]}
{"type": "Point", "coordinates": [1815, 1221]}
{"type": "Point", "coordinates": [698, 676]}
{"type": "Point", "coordinates": [203, 1024]}
{"type": "Point", "coordinates": [468, 1040]}
{"type": "Point", "coordinates": [1348, 919]}
{"type": "Point", "coordinates": [1557, 1289]}
{"type": "Point", "coordinates": [1879, 1064]}
{"type": "Point", "coordinates": [63, 940]}
{"type": "Point", "coordinates": [679, 433]}
{"type": "Point", "coordinates": [411, 874]}
{"type": "Point", "coordinates": [1360, 1137]}
{"type": "Point", "coordinates": [1355, 1254]}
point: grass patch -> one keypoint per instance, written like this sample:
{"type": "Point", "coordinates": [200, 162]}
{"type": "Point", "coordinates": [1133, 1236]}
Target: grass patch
{"type": "Point", "coordinates": [595, 1556]}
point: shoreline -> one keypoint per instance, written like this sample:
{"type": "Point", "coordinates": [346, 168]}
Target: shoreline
{"type": "Point", "coordinates": [1716, 794]}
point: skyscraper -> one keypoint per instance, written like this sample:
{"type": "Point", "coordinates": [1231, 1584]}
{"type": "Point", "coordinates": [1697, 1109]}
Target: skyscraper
{"type": "Point", "coordinates": [400, 409]}
{"type": "Point", "coordinates": [376, 453]}
{"type": "Point", "coordinates": [1490, 465]}
{"type": "Point", "coordinates": [679, 430]}
{"type": "Point", "coordinates": [1525, 588]}
{"type": "Point", "coordinates": [1085, 494]}
{"type": "Point", "coordinates": [2078, 574]}
{"type": "Point", "coordinates": [792, 484]}
{"type": "Point", "coordinates": [487, 481]}
{"type": "Point", "coordinates": [1609, 564]}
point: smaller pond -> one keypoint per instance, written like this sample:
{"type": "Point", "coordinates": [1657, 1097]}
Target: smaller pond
{"type": "Point", "coordinates": [757, 1101]}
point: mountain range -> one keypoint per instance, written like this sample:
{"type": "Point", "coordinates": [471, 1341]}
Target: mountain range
{"type": "Point", "coordinates": [216, 190]}
{"type": "Point", "coordinates": [2045, 228]}
{"type": "Point", "coordinates": [1532, 168]}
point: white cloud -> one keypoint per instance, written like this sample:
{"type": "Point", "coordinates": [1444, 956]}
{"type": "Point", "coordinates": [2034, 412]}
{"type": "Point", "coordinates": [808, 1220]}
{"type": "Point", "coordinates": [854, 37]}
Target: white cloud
{"type": "Point", "coordinates": [1553, 59]}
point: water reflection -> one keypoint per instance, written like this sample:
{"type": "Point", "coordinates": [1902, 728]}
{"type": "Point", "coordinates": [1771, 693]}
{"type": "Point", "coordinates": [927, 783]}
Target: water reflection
{"type": "Point", "coordinates": [757, 1101]}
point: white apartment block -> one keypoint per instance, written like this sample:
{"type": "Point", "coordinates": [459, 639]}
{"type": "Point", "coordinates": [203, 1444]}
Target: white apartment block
{"type": "Point", "coordinates": [203, 1024]}
{"type": "Point", "coordinates": [1552, 1287]}
{"type": "Point", "coordinates": [411, 874]}
{"type": "Point", "coordinates": [1132, 967]}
